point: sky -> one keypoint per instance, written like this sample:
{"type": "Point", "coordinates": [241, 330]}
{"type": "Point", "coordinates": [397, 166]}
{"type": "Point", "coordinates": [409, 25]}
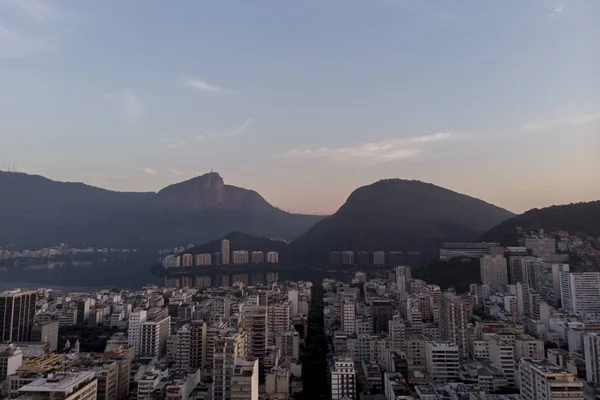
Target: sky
{"type": "Point", "coordinates": [304, 101]}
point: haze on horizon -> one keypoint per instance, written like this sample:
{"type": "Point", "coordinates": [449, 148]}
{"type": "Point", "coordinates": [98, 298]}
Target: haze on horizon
{"type": "Point", "coordinates": [306, 101]}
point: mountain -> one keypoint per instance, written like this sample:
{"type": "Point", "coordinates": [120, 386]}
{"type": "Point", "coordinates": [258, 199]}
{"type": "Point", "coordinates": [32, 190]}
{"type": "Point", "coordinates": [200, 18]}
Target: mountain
{"type": "Point", "coordinates": [209, 192]}
{"type": "Point", "coordinates": [36, 211]}
{"type": "Point", "coordinates": [576, 217]}
{"type": "Point", "coordinates": [401, 215]}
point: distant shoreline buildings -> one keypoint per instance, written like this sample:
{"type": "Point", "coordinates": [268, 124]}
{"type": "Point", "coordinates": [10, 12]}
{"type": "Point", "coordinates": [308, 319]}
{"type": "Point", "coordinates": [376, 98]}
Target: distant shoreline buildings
{"type": "Point", "coordinates": [347, 257]}
{"type": "Point", "coordinates": [224, 257]}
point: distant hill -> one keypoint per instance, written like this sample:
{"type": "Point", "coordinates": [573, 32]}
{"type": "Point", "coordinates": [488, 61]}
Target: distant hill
{"type": "Point", "coordinates": [575, 217]}
{"type": "Point", "coordinates": [242, 241]}
{"type": "Point", "coordinates": [36, 211]}
{"type": "Point", "coordinates": [399, 215]}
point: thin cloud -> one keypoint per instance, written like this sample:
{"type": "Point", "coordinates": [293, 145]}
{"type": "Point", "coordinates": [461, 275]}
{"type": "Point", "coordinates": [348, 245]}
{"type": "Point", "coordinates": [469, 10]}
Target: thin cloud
{"type": "Point", "coordinates": [222, 134]}
{"type": "Point", "coordinates": [573, 120]}
{"type": "Point", "coordinates": [374, 153]}
{"type": "Point", "coordinates": [179, 172]}
{"type": "Point", "coordinates": [177, 144]}
{"type": "Point", "coordinates": [36, 9]}
{"type": "Point", "coordinates": [129, 105]}
{"type": "Point", "coordinates": [202, 86]}
{"type": "Point", "coordinates": [148, 171]}
{"type": "Point", "coordinates": [226, 133]}
{"type": "Point", "coordinates": [558, 11]}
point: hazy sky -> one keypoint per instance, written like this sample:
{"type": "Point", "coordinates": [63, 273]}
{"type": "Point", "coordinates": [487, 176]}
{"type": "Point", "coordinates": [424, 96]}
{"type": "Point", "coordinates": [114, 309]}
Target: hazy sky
{"type": "Point", "coordinates": [306, 100]}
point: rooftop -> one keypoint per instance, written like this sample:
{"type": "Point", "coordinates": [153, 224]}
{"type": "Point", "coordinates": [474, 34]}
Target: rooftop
{"type": "Point", "coordinates": [58, 382]}
{"type": "Point", "coordinates": [16, 292]}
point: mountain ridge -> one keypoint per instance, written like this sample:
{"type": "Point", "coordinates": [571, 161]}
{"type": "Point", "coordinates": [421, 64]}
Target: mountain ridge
{"type": "Point", "coordinates": [582, 217]}
{"type": "Point", "coordinates": [38, 211]}
{"type": "Point", "coordinates": [399, 214]}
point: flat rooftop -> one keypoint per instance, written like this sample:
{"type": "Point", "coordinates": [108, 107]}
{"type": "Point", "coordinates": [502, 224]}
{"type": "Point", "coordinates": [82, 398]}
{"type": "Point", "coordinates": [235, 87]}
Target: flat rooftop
{"type": "Point", "coordinates": [58, 382]}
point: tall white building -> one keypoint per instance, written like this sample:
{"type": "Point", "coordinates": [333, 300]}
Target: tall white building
{"type": "Point", "coordinates": [187, 260]}
{"type": "Point", "coordinates": [240, 257]}
{"type": "Point", "coordinates": [494, 271]}
{"type": "Point", "coordinates": [580, 291]}
{"type": "Point", "coordinates": [591, 351]}
{"type": "Point", "coordinates": [226, 346]}
{"type": "Point", "coordinates": [403, 276]}
{"type": "Point", "coordinates": [225, 252]}
{"type": "Point", "coordinates": [455, 313]}
{"type": "Point", "coordinates": [348, 317]}
{"type": "Point", "coordinates": [540, 379]}
{"type": "Point", "coordinates": [154, 336]}
{"type": "Point", "coordinates": [204, 259]}
{"type": "Point", "coordinates": [343, 379]}
{"type": "Point", "coordinates": [279, 317]}
{"type": "Point", "coordinates": [502, 355]}
{"type": "Point", "coordinates": [272, 257]}
{"type": "Point", "coordinates": [136, 319]}
{"type": "Point", "coordinates": [443, 360]}
{"type": "Point", "coordinates": [293, 298]}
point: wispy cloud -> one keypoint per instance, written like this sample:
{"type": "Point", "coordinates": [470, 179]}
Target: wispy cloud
{"type": "Point", "coordinates": [15, 44]}
{"type": "Point", "coordinates": [42, 11]}
{"type": "Point", "coordinates": [179, 172]}
{"type": "Point", "coordinates": [374, 153]}
{"type": "Point", "coordinates": [557, 11]}
{"type": "Point", "coordinates": [148, 171]}
{"type": "Point", "coordinates": [201, 85]}
{"type": "Point", "coordinates": [128, 103]}
{"type": "Point", "coordinates": [235, 131]}
{"type": "Point", "coordinates": [222, 134]}
{"type": "Point", "coordinates": [573, 120]}
{"type": "Point", "coordinates": [177, 144]}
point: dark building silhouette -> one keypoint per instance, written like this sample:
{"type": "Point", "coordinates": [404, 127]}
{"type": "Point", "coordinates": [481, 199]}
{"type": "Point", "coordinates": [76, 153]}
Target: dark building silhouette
{"type": "Point", "coordinates": [382, 313]}
{"type": "Point", "coordinates": [17, 312]}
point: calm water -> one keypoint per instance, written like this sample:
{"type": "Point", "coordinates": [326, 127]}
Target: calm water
{"type": "Point", "coordinates": [135, 273]}
{"type": "Point", "coordinates": [74, 276]}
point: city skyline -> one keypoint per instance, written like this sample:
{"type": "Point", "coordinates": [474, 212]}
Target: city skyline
{"type": "Point", "coordinates": [306, 102]}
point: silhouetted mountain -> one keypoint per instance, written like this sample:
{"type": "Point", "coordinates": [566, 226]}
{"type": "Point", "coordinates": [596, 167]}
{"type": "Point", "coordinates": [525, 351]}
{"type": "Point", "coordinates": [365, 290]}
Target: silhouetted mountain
{"type": "Point", "coordinates": [399, 215]}
{"type": "Point", "coordinates": [35, 211]}
{"type": "Point", "coordinates": [576, 217]}
{"type": "Point", "coordinates": [242, 241]}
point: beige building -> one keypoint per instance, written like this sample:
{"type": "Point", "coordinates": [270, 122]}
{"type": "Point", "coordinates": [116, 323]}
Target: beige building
{"type": "Point", "coordinates": [225, 253]}
{"type": "Point", "coordinates": [529, 347]}
{"type": "Point", "coordinates": [502, 355]}
{"type": "Point", "coordinates": [272, 257]}
{"type": "Point", "coordinates": [455, 312]}
{"type": "Point", "coordinates": [278, 384]}
{"type": "Point", "coordinates": [494, 271]}
{"type": "Point", "coordinates": [226, 349]}
{"type": "Point", "coordinates": [244, 381]}
{"type": "Point", "coordinates": [540, 379]}
{"type": "Point", "coordinates": [443, 361]}
{"type": "Point", "coordinates": [240, 257]}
